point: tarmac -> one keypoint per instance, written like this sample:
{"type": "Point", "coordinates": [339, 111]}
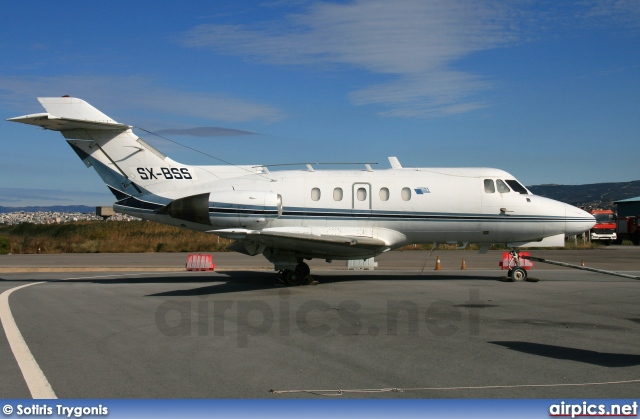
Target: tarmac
{"type": "Point", "coordinates": [608, 258]}
{"type": "Point", "coordinates": [139, 326]}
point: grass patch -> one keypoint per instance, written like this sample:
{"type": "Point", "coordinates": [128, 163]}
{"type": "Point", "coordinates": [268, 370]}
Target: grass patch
{"type": "Point", "coordinates": [106, 237]}
{"type": "Point", "coordinates": [5, 245]}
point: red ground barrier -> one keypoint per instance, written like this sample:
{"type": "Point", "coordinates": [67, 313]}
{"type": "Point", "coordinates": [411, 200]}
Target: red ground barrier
{"type": "Point", "coordinates": [200, 262]}
{"type": "Point", "coordinates": [508, 263]}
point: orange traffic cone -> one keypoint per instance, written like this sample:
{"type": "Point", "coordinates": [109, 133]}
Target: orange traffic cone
{"type": "Point", "coordinates": [438, 265]}
{"type": "Point", "coordinates": [582, 264]}
{"type": "Point", "coordinates": [464, 265]}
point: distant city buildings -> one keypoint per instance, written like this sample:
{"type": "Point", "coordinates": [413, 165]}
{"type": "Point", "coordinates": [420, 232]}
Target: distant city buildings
{"type": "Point", "coordinates": [49, 217]}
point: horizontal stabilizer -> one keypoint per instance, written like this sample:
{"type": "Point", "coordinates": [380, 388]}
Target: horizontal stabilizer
{"type": "Point", "coordinates": [56, 123]}
{"type": "Point", "coordinates": [68, 113]}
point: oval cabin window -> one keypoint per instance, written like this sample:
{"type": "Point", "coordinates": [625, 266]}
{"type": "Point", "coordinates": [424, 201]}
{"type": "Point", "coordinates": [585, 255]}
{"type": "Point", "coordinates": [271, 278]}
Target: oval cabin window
{"type": "Point", "coordinates": [384, 194]}
{"type": "Point", "coordinates": [315, 194]}
{"type": "Point", "coordinates": [406, 194]}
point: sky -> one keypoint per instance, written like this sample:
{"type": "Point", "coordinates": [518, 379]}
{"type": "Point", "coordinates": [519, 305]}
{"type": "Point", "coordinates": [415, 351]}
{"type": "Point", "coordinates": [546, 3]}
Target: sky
{"type": "Point", "coordinates": [548, 91]}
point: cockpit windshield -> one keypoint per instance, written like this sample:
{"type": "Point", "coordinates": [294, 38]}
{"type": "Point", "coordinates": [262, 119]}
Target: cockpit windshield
{"type": "Point", "coordinates": [516, 186]}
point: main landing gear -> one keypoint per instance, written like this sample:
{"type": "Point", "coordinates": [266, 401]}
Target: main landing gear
{"type": "Point", "coordinates": [299, 276]}
{"type": "Point", "coordinates": [516, 272]}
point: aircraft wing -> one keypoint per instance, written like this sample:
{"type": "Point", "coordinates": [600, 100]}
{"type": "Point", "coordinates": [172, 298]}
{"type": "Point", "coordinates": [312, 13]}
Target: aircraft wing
{"type": "Point", "coordinates": [331, 246]}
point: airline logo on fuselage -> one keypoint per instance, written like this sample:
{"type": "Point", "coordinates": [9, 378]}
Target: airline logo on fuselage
{"type": "Point", "coordinates": [167, 173]}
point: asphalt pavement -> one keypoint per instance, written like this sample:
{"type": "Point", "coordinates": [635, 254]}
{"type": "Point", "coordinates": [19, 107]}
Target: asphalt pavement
{"type": "Point", "coordinates": [395, 332]}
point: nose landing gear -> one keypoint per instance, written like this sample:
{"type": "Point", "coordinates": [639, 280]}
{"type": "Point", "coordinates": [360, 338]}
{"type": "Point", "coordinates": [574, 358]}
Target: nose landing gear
{"type": "Point", "coordinates": [516, 272]}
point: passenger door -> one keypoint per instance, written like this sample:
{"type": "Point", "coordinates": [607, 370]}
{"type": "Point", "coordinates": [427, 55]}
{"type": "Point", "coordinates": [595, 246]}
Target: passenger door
{"type": "Point", "coordinates": [361, 200]}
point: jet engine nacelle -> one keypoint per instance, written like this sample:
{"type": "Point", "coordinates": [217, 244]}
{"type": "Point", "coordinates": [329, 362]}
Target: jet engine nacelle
{"type": "Point", "coordinates": [227, 208]}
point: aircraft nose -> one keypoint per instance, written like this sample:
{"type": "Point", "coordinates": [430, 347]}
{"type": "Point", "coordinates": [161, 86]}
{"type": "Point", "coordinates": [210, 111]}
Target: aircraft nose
{"type": "Point", "coordinates": [577, 221]}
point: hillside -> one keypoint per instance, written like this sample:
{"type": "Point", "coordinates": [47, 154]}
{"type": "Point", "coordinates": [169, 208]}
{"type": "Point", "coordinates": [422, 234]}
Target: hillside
{"type": "Point", "coordinates": [601, 195]}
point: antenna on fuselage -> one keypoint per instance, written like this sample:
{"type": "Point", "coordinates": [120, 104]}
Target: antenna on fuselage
{"type": "Point", "coordinates": [206, 154]}
{"type": "Point", "coordinates": [395, 163]}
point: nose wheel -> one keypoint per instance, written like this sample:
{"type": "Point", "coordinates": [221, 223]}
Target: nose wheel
{"type": "Point", "coordinates": [517, 274]}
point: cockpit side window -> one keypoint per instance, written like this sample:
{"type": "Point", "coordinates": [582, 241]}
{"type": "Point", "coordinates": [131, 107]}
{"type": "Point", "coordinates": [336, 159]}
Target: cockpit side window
{"type": "Point", "coordinates": [516, 186]}
{"type": "Point", "coordinates": [489, 186]}
{"type": "Point", "coordinates": [502, 187]}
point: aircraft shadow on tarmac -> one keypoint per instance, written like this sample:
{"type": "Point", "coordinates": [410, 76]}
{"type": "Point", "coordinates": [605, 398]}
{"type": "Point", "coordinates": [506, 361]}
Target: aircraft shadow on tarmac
{"type": "Point", "coordinates": [238, 281]}
{"type": "Point", "coordinates": [603, 359]}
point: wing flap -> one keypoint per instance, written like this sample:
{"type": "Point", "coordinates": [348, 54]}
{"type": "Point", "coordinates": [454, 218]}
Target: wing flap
{"type": "Point", "coordinates": [269, 236]}
{"type": "Point", "coordinates": [360, 242]}
{"type": "Point", "coordinates": [307, 244]}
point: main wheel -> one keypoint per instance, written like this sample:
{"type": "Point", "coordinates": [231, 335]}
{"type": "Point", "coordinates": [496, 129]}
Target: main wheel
{"type": "Point", "coordinates": [303, 270]}
{"type": "Point", "coordinates": [518, 274]}
{"type": "Point", "coordinates": [291, 278]}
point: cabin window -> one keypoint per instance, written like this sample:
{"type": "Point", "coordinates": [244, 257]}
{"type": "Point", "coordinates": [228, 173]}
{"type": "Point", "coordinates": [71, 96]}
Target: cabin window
{"type": "Point", "coordinates": [516, 186]}
{"type": "Point", "coordinates": [489, 186]}
{"type": "Point", "coordinates": [502, 187]}
{"type": "Point", "coordinates": [406, 194]}
{"type": "Point", "coordinates": [361, 194]}
{"type": "Point", "coordinates": [384, 194]}
{"type": "Point", "coordinates": [337, 194]}
{"type": "Point", "coordinates": [315, 194]}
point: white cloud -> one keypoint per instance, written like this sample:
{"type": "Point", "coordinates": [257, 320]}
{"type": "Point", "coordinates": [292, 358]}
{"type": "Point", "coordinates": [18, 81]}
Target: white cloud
{"type": "Point", "coordinates": [620, 11]}
{"type": "Point", "coordinates": [135, 92]}
{"type": "Point", "coordinates": [414, 44]}
{"type": "Point", "coordinates": [444, 92]}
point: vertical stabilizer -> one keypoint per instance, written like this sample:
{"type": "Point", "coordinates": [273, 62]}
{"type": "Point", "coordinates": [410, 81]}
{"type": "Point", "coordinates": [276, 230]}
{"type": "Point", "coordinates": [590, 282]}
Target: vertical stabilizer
{"type": "Point", "coordinates": [127, 164]}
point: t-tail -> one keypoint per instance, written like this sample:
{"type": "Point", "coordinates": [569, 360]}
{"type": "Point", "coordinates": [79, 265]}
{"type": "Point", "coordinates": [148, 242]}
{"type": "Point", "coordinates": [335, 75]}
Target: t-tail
{"type": "Point", "coordinates": [132, 169]}
{"type": "Point", "coordinates": [128, 165]}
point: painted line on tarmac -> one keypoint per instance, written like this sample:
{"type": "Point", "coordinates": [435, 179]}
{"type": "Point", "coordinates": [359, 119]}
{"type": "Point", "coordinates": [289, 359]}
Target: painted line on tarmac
{"type": "Point", "coordinates": [402, 390]}
{"type": "Point", "coordinates": [34, 377]}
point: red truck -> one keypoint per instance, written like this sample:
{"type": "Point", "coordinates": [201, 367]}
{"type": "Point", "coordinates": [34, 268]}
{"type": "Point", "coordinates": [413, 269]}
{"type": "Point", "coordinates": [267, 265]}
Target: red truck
{"type": "Point", "coordinates": [605, 228]}
{"type": "Point", "coordinates": [628, 228]}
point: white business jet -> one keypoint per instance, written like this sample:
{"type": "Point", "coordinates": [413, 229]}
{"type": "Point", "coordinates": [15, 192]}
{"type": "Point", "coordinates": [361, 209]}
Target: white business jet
{"type": "Point", "coordinates": [290, 216]}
